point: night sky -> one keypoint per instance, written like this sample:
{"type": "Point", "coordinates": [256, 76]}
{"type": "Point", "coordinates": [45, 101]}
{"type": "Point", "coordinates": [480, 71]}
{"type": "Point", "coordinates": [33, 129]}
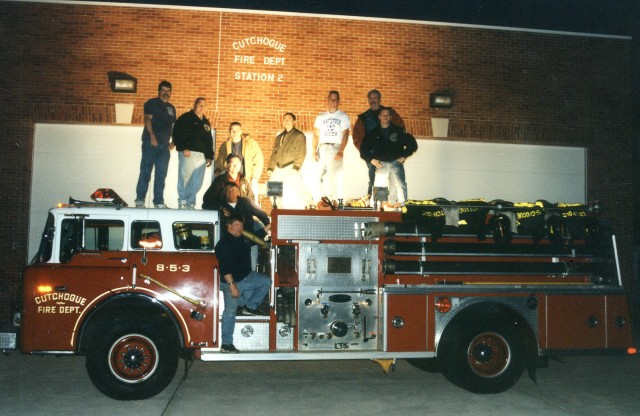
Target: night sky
{"type": "Point", "coordinates": [611, 17]}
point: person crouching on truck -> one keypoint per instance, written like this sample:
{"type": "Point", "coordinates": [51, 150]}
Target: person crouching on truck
{"type": "Point", "coordinates": [256, 220]}
{"type": "Point", "coordinates": [240, 286]}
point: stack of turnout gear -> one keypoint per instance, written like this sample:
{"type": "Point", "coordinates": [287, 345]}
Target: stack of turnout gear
{"type": "Point", "coordinates": [560, 223]}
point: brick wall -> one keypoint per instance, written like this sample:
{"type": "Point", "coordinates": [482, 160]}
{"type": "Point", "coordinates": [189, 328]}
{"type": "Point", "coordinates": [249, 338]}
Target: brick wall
{"type": "Point", "coordinates": [508, 86]}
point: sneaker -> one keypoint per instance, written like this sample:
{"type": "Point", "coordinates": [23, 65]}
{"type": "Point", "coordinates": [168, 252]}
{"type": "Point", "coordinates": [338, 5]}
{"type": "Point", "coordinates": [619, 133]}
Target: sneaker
{"type": "Point", "coordinates": [191, 206]}
{"type": "Point", "coordinates": [228, 348]}
{"type": "Point", "coordinates": [139, 203]}
{"type": "Point", "coordinates": [161, 206]}
{"type": "Point", "coordinates": [249, 312]}
{"type": "Point", "coordinates": [182, 204]}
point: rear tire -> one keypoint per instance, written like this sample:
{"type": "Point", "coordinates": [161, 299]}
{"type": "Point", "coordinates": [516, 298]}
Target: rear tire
{"type": "Point", "coordinates": [133, 360]}
{"type": "Point", "coordinates": [482, 357]}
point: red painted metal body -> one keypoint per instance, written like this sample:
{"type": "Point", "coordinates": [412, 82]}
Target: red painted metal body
{"type": "Point", "coordinates": [54, 320]}
{"type": "Point", "coordinates": [345, 284]}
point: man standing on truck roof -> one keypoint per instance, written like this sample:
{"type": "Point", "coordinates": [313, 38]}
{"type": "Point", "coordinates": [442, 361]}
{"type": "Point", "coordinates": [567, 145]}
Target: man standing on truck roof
{"type": "Point", "coordinates": [240, 286]}
{"type": "Point", "coordinates": [159, 116]}
{"type": "Point", "coordinates": [367, 122]}
{"type": "Point", "coordinates": [194, 143]}
{"type": "Point", "coordinates": [287, 157]}
{"type": "Point", "coordinates": [330, 135]}
{"type": "Point", "coordinates": [386, 148]}
{"type": "Point", "coordinates": [249, 152]}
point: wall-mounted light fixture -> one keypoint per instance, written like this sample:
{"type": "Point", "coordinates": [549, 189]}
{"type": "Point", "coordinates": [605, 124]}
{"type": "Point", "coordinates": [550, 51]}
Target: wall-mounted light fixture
{"type": "Point", "coordinates": [440, 100]}
{"type": "Point", "coordinates": [122, 82]}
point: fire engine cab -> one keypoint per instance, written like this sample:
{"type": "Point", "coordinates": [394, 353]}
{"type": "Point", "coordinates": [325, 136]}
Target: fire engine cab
{"type": "Point", "coordinates": [486, 289]}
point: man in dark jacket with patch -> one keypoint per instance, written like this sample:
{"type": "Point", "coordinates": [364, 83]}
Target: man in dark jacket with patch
{"type": "Point", "coordinates": [367, 122]}
{"type": "Point", "coordinates": [194, 142]}
{"type": "Point", "coordinates": [387, 147]}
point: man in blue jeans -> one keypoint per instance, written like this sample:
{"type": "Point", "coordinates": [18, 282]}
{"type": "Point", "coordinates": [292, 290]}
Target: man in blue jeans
{"type": "Point", "coordinates": [194, 143]}
{"type": "Point", "coordinates": [387, 147]}
{"type": "Point", "coordinates": [240, 286]}
{"type": "Point", "coordinates": [367, 122]}
{"type": "Point", "coordinates": [159, 116]}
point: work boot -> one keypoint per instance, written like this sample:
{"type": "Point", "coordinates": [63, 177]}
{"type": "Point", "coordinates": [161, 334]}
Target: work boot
{"type": "Point", "coordinates": [228, 348]}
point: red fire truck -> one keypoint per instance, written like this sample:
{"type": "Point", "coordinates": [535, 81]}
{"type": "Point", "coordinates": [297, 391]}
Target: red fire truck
{"type": "Point", "coordinates": [485, 289]}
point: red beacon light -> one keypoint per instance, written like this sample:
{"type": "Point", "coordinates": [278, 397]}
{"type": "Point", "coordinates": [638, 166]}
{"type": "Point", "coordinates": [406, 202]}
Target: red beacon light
{"type": "Point", "coordinates": [108, 196]}
{"type": "Point", "coordinates": [101, 197]}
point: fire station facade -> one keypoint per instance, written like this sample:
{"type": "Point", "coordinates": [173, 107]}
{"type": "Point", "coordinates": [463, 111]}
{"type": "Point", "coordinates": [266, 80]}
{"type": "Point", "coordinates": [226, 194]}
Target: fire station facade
{"type": "Point", "coordinates": [508, 86]}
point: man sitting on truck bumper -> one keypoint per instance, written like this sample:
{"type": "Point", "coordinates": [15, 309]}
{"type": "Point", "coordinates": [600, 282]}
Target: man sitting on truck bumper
{"type": "Point", "coordinates": [240, 285]}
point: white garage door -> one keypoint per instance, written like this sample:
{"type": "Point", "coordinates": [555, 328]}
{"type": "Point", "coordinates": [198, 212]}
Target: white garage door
{"type": "Point", "coordinates": [74, 160]}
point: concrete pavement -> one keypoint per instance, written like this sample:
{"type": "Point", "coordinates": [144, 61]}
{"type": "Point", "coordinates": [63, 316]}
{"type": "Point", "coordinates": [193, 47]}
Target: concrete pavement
{"type": "Point", "coordinates": [48, 385]}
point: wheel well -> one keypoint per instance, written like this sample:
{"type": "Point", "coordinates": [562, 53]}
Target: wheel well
{"type": "Point", "coordinates": [126, 307]}
{"type": "Point", "coordinates": [495, 313]}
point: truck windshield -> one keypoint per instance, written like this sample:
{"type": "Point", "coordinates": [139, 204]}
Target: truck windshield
{"type": "Point", "coordinates": [46, 242]}
{"type": "Point", "coordinates": [70, 238]}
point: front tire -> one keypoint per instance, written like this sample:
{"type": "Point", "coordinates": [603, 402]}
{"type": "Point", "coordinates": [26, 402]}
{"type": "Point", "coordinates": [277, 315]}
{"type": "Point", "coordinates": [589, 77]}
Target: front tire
{"type": "Point", "coordinates": [133, 361]}
{"type": "Point", "coordinates": [483, 358]}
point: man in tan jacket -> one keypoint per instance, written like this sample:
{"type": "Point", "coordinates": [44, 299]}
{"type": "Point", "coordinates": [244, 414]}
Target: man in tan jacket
{"type": "Point", "coordinates": [287, 157]}
{"type": "Point", "coordinates": [249, 152]}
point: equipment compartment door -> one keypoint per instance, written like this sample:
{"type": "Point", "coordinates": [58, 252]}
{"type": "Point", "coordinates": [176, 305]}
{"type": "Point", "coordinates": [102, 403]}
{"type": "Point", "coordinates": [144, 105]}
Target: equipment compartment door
{"type": "Point", "coordinates": [575, 322]}
{"type": "Point", "coordinates": [405, 323]}
{"type": "Point", "coordinates": [618, 322]}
